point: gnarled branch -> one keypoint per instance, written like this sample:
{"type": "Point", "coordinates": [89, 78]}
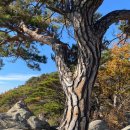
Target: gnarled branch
{"type": "Point", "coordinates": [58, 48]}
{"type": "Point", "coordinates": [35, 36]}
{"type": "Point", "coordinates": [58, 10]}
{"type": "Point", "coordinates": [104, 23]}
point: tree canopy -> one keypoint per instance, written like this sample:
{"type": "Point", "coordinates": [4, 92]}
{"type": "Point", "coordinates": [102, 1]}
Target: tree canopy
{"type": "Point", "coordinates": [23, 23]}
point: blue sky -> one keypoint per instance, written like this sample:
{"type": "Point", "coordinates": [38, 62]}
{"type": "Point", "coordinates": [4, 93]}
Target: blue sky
{"type": "Point", "coordinates": [14, 74]}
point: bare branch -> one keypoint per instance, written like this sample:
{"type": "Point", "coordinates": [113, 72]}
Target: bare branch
{"type": "Point", "coordinates": [57, 46]}
{"type": "Point", "coordinates": [56, 10]}
{"type": "Point", "coordinates": [103, 24]}
{"type": "Point", "coordinates": [35, 36]}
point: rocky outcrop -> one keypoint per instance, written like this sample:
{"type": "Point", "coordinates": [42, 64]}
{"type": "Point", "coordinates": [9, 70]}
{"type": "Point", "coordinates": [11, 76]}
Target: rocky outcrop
{"type": "Point", "coordinates": [98, 125]}
{"type": "Point", "coordinates": [19, 117]}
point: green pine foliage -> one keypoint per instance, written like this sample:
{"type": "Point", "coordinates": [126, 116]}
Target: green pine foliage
{"type": "Point", "coordinates": [40, 16]}
{"type": "Point", "coordinates": [15, 44]}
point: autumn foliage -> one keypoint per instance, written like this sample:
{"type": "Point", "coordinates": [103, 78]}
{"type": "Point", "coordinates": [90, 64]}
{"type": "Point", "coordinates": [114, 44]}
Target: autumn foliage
{"type": "Point", "coordinates": [112, 89]}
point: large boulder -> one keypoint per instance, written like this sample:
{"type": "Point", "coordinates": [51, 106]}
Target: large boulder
{"type": "Point", "coordinates": [19, 117]}
{"type": "Point", "coordinates": [7, 122]}
{"type": "Point", "coordinates": [98, 125]}
{"type": "Point", "coordinates": [20, 110]}
{"type": "Point", "coordinates": [34, 123]}
{"type": "Point", "coordinates": [126, 128]}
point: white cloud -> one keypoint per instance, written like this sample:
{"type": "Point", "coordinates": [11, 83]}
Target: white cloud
{"type": "Point", "coordinates": [15, 77]}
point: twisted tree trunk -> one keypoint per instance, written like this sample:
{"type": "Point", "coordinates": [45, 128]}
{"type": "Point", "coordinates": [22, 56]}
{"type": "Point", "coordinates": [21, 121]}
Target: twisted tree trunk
{"type": "Point", "coordinates": [76, 115]}
{"type": "Point", "coordinates": [78, 85]}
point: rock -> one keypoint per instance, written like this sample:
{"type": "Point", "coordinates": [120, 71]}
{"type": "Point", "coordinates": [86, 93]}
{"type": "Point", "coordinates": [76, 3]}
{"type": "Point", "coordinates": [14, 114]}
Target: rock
{"type": "Point", "coordinates": [126, 128]}
{"type": "Point", "coordinates": [19, 117]}
{"type": "Point", "coordinates": [35, 123]}
{"type": "Point", "coordinates": [7, 122]}
{"type": "Point", "coordinates": [20, 110]}
{"type": "Point", "coordinates": [98, 125]}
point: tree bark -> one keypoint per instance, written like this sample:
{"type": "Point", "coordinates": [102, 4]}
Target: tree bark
{"type": "Point", "coordinates": [76, 116]}
{"type": "Point", "coordinates": [78, 85]}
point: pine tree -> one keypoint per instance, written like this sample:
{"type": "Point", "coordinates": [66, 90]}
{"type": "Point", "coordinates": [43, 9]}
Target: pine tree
{"type": "Point", "coordinates": [25, 23]}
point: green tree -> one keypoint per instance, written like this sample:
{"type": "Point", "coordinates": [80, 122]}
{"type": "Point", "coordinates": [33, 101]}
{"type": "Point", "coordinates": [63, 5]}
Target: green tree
{"type": "Point", "coordinates": [25, 23]}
